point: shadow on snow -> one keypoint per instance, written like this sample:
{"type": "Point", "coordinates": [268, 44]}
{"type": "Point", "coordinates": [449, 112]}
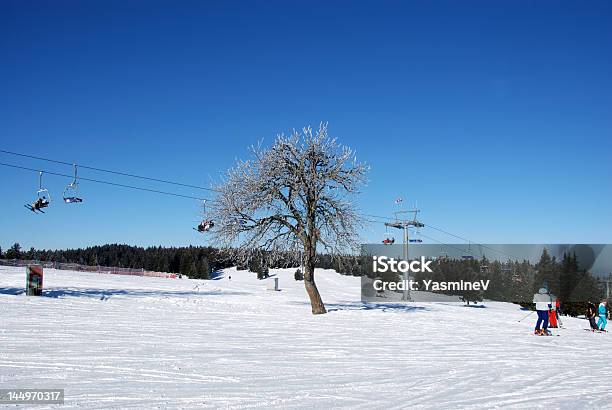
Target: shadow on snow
{"type": "Point", "coordinates": [385, 307]}
{"type": "Point", "coordinates": [107, 293]}
{"type": "Point", "coordinates": [218, 275]}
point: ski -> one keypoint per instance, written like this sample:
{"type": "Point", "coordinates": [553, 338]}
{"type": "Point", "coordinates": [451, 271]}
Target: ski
{"type": "Point", "coordinates": [545, 334]}
{"type": "Point", "coordinates": [34, 210]}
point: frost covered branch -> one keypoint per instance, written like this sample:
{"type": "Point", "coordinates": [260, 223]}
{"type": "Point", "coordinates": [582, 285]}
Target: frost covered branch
{"type": "Point", "coordinates": [291, 198]}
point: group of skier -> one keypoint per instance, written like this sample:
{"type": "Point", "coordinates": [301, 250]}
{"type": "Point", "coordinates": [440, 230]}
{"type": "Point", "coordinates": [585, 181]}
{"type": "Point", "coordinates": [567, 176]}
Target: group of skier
{"type": "Point", "coordinates": [548, 308]}
{"type": "Point", "coordinates": [600, 311]}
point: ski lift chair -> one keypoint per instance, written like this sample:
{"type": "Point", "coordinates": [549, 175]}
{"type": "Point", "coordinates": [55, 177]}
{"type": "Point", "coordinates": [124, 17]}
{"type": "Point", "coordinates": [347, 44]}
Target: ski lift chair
{"type": "Point", "coordinates": [389, 240]}
{"type": "Point", "coordinates": [71, 192]}
{"type": "Point", "coordinates": [44, 197]}
{"type": "Point", "coordinates": [205, 226]}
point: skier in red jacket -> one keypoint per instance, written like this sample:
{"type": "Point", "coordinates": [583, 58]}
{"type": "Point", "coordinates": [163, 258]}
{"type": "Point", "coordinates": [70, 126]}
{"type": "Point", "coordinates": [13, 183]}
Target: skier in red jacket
{"type": "Point", "coordinates": [552, 312]}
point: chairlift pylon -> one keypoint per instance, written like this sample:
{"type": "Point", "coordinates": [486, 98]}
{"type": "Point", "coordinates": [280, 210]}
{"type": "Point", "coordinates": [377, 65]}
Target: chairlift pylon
{"type": "Point", "coordinates": [71, 192]}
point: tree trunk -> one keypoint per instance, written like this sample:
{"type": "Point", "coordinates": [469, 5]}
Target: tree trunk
{"type": "Point", "coordinates": [316, 302]}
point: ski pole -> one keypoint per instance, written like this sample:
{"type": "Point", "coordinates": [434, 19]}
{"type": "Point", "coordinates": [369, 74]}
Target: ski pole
{"type": "Point", "coordinates": [528, 314]}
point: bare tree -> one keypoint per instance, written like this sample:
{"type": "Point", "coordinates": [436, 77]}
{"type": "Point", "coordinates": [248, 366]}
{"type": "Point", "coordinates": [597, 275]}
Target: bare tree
{"type": "Point", "coordinates": [293, 198]}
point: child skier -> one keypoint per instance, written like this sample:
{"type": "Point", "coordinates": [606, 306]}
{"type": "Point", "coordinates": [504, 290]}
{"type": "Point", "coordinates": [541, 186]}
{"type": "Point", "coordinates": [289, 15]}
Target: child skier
{"type": "Point", "coordinates": [603, 320]}
{"type": "Point", "coordinates": [543, 305]}
{"type": "Point", "coordinates": [552, 312]}
{"type": "Point", "coordinates": [590, 315]}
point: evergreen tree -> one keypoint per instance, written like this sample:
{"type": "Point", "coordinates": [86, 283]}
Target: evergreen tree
{"type": "Point", "coordinates": [547, 274]}
{"type": "Point", "coordinates": [570, 277]}
{"type": "Point", "coordinates": [204, 269]}
{"type": "Point", "coordinates": [14, 252]}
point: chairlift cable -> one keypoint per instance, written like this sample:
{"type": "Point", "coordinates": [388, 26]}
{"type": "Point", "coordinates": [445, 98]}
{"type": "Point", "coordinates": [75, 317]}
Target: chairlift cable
{"type": "Point", "coordinates": [188, 186]}
{"type": "Point", "coordinates": [106, 182]}
{"type": "Point", "coordinates": [442, 243]}
{"type": "Point", "coordinates": [385, 218]}
{"type": "Point", "coordinates": [107, 171]}
{"type": "Point", "coordinates": [470, 242]}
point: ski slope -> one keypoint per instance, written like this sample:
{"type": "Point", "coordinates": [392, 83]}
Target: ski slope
{"type": "Point", "coordinates": [132, 342]}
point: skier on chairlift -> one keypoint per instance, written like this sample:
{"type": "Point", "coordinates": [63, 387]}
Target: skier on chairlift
{"type": "Point", "coordinates": [388, 241]}
{"type": "Point", "coordinates": [43, 197]}
{"type": "Point", "coordinates": [205, 225]}
{"type": "Point", "coordinates": [40, 203]}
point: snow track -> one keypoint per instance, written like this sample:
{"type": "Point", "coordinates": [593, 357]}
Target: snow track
{"type": "Point", "coordinates": [133, 342]}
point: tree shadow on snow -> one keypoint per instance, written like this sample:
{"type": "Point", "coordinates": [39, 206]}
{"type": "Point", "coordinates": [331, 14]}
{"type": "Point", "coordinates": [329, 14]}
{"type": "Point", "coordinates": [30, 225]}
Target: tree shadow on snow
{"type": "Point", "coordinates": [107, 293]}
{"type": "Point", "coordinates": [385, 307]}
{"type": "Point", "coordinates": [459, 305]}
{"type": "Point", "coordinates": [218, 275]}
{"type": "Point", "coordinates": [12, 291]}
{"type": "Point", "coordinates": [475, 306]}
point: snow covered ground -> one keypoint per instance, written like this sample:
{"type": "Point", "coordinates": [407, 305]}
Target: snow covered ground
{"type": "Point", "coordinates": [133, 342]}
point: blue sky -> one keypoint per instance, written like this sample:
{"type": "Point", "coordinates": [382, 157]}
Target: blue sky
{"type": "Point", "coordinates": [495, 116]}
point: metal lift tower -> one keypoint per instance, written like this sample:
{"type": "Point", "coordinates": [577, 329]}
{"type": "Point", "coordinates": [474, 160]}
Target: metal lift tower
{"type": "Point", "coordinates": [405, 224]}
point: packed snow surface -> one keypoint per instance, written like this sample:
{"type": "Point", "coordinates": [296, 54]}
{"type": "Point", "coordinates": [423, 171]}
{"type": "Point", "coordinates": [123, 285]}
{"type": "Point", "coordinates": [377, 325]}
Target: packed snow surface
{"type": "Point", "coordinates": [133, 342]}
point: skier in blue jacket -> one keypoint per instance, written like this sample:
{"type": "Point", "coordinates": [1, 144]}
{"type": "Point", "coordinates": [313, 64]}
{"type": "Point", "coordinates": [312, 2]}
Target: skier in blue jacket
{"type": "Point", "coordinates": [603, 320]}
